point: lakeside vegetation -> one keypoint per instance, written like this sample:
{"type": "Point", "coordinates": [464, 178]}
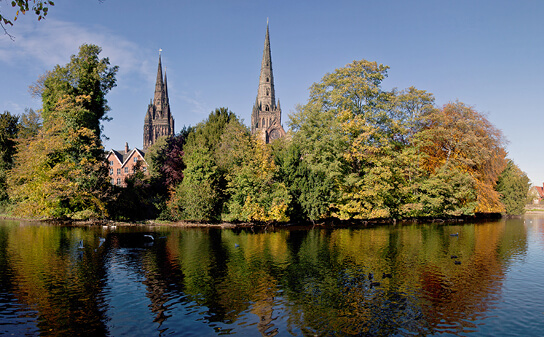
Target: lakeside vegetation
{"type": "Point", "coordinates": [354, 151]}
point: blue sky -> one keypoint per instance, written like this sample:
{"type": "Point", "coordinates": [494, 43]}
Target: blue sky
{"type": "Point", "coordinates": [487, 54]}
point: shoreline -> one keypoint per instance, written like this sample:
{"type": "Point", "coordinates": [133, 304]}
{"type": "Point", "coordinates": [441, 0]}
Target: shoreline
{"type": "Point", "coordinates": [325, 223]}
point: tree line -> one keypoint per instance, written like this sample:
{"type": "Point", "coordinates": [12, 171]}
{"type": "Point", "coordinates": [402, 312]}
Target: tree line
{"type": "Point", "coordinates": [354, 151]}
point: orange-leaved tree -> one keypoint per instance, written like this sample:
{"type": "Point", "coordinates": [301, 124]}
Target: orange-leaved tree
{"type": "Point", "coordinates": [459, 136]}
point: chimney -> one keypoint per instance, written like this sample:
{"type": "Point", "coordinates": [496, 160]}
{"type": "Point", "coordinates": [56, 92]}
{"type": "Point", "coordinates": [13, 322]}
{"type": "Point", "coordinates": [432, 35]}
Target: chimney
{"type": "Point", "coordinates": [126, 147]}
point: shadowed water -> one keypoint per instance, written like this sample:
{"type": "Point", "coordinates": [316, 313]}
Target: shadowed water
{"type": "Point", "coordinates": [480, 279]}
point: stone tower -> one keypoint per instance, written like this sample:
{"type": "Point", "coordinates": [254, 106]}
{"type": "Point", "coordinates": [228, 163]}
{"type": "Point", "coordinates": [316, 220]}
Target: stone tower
{"type": "Point", "coordinates": [266, 115]}
{"type": "Point", "coordinates": [158, 119]}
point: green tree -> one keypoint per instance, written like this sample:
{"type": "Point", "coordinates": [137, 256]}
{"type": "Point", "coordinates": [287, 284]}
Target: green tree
{"type": "Point", "coordinates": [357, 134]}
{"type": "Point", "coordinates": [448, 191]}
{"type": "Point", "coordinates": [201, 194]}
{"type": "Point", "coordinates": [310, 189]}
{"type": "Point", "coordinates": [409, 106]}
{"type": "Point", "coordinates": [30, 123]}
{"type": "Point", "coordinates": [9, 127]}
{"type": "Point", "coordinates": [513, 185]}
{"type": "Point", "coordinates": [197, 197]}
{"type": "Point", "coordinates": [8, 134]}
{"type": "Point", "coordinates": [61, 172]}
{"type": "Point", "coordinates": [86, 79]}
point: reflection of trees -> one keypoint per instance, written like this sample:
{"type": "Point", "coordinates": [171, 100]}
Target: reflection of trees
{"type": "Point", "coordinates": [305, 282]}
{"type": "Point", "coordinates": [321, 277]}
{"type": "Point", "coordinates": [63, 285]}
{"type": "Point", "coordinates": [425, 282]}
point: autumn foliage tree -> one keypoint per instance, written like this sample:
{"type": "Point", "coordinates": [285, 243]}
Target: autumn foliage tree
{"type": "Point", "coordinates": [458, 136]}
{"type": "Point", "coordinates": [61, 172]}
{"type": "Point", "coordinates": [357, 134]}
{"type": "Point", "coordinates": [254, 193]}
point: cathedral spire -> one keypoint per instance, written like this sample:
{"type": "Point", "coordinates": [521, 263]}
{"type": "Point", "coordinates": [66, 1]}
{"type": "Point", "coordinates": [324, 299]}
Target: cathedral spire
{"type": "Point", "coordinates": [158, 119]}
{"type": "Point", "coordinates": [159, 86]}
{"type": "Point", "coordinates": [266, 93]}
{"type": "Point", "coordinates": [266, 115]}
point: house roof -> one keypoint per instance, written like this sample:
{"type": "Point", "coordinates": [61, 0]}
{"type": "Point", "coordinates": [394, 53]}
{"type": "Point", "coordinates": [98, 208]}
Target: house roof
{"type": "Point", "coordinates": [123, 157]}
{"type": "Point", "coordinates": [540, 191]}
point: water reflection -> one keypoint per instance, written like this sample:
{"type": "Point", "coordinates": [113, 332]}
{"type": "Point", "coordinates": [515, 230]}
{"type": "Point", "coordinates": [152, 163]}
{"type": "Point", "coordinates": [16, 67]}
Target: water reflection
{"type": "Point", "coordinates": [387, 280]}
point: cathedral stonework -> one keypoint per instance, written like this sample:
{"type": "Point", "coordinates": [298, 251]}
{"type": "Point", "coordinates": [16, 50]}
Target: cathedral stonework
{"type": "Point", "coordinates": [266, 115]}
{"type": "Point", "coordinates": [158, 119]}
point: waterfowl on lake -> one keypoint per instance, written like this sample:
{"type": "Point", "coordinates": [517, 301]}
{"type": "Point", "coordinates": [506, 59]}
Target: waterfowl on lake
{"type": "Point", "coordinates": [457, 262]}
{"type": "Point", "coordinates": [385, 275]}
{"type": "Point", "coordinates": [149, 236]}
{"type": "Point", "coordinates": [374, 284]}
{"type": "Point", "coordinates": [454, 256]}
{"type": "Point", "coordinates": [80, 246]}
{"type": "Point", "coordinates": [454, 234]}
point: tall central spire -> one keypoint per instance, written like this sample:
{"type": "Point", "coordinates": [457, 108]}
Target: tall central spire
{"type": "Point", "coordinates": [266, 115]}
{"type": "Point", "coordinates": [266, 94]}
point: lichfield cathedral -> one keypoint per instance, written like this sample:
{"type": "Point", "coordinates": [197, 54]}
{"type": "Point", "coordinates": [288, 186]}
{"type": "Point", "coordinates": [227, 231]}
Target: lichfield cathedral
{"type": "Point", "coordinates": [158, 122]}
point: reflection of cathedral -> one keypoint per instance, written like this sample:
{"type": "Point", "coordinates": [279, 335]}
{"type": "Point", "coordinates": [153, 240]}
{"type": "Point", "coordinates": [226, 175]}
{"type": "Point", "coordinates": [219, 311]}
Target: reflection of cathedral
{"type": "Point", "coordinates": [266, 115]}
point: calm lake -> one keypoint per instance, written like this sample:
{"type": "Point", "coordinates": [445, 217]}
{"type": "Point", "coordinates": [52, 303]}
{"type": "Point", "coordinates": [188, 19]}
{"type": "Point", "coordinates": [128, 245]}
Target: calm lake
{"type": "Point", "coordinates": [487, 279]}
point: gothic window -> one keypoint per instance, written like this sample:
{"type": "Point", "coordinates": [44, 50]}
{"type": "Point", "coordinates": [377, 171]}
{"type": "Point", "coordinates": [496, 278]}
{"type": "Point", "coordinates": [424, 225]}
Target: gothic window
{"type": "Point", "coordinates": [267, 79]}
{"type": "Point", "coordinates": [267, 92]}
{"type": "Point", "coordinates": [267, 107]}
{"type": "Point", "coordinates": [263, 123]}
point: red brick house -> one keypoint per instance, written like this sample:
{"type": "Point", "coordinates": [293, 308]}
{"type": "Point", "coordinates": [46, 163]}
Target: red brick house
{"type": "Point", "coordinates": [122, 164]}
